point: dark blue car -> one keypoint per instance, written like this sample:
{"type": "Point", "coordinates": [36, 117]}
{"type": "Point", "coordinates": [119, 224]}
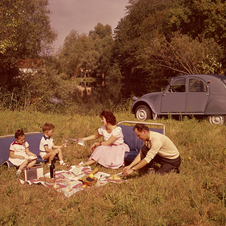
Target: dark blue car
{"type": "Point", "coordinates": [197, 95]}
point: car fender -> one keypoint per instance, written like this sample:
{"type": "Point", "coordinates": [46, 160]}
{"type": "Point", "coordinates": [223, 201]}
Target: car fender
{"type": "Point", "coordinates": [216, 106]}
{"type": "Point", "coordinates": [143, 102]}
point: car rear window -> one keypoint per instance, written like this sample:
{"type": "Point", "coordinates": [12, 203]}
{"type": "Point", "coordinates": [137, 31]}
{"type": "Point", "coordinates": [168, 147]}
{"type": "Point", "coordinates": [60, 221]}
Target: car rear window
{"type": "Point", "coordinates": [196, 85]}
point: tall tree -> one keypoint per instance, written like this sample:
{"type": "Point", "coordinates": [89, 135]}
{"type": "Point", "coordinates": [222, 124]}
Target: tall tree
{"type": "Point", "coordinates": [78, 54]}
{"type": "Point", "coordinates": [133, 34]}
{"type": "Point", "coordinates": [25, 27]}
{"type": "Point", "coordinates": [197, 17]}
{"type": "Point", "coordinates": [90, 53]}
{"type": "Point", "coordinates": [103, 41]}
{"type": "Point", "coordinates": [185, 55]}
{"type": "Point", "coordinates": [24, 31]}
{"type": "Point", "coordinates": [149, 20]}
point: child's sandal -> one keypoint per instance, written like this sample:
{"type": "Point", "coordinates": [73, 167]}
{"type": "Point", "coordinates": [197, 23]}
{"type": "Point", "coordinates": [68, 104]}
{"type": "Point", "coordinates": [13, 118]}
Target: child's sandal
{"type": "Point", "coordinates": [81, 163]}
{"type": "Point", "coordinates": [63, 164]}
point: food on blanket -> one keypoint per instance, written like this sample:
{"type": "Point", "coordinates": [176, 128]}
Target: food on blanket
{"type": "Point", "coordinates": [111, 177]}
{"type": "Point", "coordinates": [114, 177]}
{"type": "Point", "coordinates": [90, 176]}
{"type": "Point", "coordinates": [90, 179]}
{"type": "Point", "coordinates": [84, 186]}
{"type": "Point", "coordinates": [94, 171]}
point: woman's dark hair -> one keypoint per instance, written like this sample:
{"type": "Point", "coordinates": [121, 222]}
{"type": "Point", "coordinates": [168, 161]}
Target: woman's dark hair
{"type": "Point", "coordinates": [108, 115]}
{"type": "Point", "coordinates": [19, 133]}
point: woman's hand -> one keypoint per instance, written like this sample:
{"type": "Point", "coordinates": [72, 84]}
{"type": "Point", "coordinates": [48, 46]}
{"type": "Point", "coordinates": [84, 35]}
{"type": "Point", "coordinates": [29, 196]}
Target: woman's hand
{"type": "Point", "coordinates": [94, 146]}
{"type": "Point", "coordinates": [78, 140]}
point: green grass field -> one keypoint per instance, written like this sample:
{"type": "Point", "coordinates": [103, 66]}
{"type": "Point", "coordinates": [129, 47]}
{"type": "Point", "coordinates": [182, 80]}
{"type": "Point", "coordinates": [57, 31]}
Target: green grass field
{"type": "Point", "coordinates": [196, 196]}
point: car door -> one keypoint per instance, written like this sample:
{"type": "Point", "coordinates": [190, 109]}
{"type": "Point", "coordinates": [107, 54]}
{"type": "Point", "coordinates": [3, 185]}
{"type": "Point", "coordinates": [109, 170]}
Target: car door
{"type": "Point", "coordinates": [197, 95]}
{"type": "Point", "coordinates": [174, 97]}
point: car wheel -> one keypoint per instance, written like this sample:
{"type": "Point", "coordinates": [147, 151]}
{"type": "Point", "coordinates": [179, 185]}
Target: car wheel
{"type": "Point", "coordinates": [143, 113]}
{"type": "Point", "coordinates": [216, 119]}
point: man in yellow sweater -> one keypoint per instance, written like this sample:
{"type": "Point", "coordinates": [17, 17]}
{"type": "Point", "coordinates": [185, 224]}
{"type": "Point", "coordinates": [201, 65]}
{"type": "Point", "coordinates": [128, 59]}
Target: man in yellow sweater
{"type": "Point", "coordinates": [156, 148]}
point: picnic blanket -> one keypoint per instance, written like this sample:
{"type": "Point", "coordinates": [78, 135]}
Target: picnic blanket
{"type": "Point", "coordinates": [67, 181]}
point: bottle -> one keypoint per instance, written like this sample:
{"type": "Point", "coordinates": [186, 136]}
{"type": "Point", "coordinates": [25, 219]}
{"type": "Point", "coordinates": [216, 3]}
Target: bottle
{"type": "Point", "coordinates": [52, 170]}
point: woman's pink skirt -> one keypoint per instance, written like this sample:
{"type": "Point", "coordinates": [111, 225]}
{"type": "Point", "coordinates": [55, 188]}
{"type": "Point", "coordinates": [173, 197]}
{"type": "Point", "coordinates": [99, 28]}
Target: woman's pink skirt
{"type": "Point", "coordinates": [110, 156]}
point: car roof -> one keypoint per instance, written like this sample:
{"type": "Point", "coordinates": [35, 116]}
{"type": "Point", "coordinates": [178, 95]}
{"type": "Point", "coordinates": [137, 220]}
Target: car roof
{"type": "Point", "coordinates": [203, 76]}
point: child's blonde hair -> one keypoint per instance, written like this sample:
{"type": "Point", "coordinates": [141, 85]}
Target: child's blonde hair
{"type": "Point", "coordinates": [47, 126]}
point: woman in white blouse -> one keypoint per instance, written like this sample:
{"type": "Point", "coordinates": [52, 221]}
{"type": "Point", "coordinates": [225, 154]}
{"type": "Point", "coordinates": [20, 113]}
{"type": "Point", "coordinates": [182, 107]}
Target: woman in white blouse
{"type": "Point", "coordinates": [110, 152]}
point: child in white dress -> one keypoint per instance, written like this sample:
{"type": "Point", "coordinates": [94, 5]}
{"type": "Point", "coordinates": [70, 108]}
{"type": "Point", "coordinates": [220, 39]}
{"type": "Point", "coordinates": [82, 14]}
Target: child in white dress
{"type": "Point", "coordinates": [20, 154]}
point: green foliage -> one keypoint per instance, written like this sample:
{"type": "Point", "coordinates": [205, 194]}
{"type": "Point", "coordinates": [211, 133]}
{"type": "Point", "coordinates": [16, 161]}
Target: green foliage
{"type": "Point", "coordinates": [9, 70]}
{"type": "Point", "coordinates": [207, 18]}
{"type": "Point", "coordinates": [147, 43]}
{"type": "Point", "coordinates": [210, 65]}
{"type": "Point", "coordinates": [25, 32]}
{"type": "Point", "coordinates": [77, 54]}
{"type": "Point", "coordinates": [100, 31]}
{"type": "Point", "coordinates": [114, 73]}
{"type": "Point", "coordinates": [133, 35]}
{"type": "Point", "coordinates": [186, 55]}
{"type": "Point", "coordinates": [9, 21]}
{"type": "Point", "coordinates": [84, 55]}
{"type": "Point", "coordinates": [18, 18]}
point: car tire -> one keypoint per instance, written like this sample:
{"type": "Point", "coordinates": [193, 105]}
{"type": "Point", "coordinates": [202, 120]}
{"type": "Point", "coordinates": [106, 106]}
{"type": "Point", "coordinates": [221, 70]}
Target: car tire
{"type": "Point", "coordinates": [143, 113]}
{"type": "Point", "coordinates": [216, 119]}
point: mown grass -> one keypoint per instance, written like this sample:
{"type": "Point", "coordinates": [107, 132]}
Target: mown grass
{"type": "Point", "coordinates": [196, 196]}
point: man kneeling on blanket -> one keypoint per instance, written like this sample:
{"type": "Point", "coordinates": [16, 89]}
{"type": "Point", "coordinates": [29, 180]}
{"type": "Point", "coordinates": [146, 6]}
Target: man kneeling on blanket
{"type": "Point", "coordinates": [156, 148]}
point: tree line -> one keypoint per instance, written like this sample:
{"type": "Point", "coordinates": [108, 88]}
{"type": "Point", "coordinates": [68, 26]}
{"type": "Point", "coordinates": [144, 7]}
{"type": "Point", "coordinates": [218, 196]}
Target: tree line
{"type": "Point", "coordinates": [156, 39]}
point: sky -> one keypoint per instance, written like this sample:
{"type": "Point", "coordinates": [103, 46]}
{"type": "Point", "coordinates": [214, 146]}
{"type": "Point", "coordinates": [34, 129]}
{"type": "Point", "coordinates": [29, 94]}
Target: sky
{"type": "Point", "coordinates": [83, 15]}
